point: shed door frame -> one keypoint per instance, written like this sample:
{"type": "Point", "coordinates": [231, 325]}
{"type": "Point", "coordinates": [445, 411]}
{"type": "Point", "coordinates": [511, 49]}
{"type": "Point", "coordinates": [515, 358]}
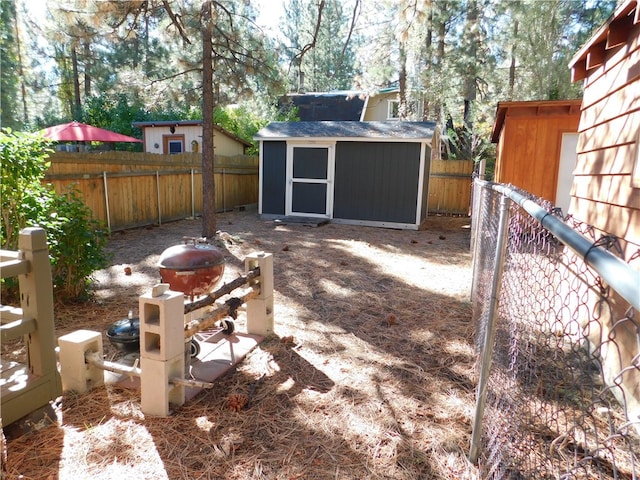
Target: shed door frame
{"type": "Point", "coordinates": [293, 181]}
{"type": "Point", "coordinates": [566, 166]}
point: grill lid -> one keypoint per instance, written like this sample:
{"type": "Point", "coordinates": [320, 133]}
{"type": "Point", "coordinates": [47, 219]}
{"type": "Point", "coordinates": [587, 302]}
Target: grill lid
{"type": "Point", "coordinates": [192, 255]}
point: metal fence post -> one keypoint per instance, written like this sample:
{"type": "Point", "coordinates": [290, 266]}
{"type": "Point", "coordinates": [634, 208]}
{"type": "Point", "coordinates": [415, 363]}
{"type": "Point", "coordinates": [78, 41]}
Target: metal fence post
{"type": "Point", "coordinates": [490, 331]}
{"type": "Point", "coordinates": [479, 190]}
{"type": "Point", "coordinates": [106, 199]}
{"type": "Point", "coordinates": [193, 196]}
{"type": "Point", "coordinates": [159, 197]}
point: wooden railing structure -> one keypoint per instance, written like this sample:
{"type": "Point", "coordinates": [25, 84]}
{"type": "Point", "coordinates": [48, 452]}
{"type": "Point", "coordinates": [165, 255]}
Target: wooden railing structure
{"type": "Point", "coordinates": [24, 388]}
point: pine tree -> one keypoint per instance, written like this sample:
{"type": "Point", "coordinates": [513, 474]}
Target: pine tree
{"type": "Point", "coordinates": [321, 45]}
{"type": "Point", "coordinates": [9, 65]}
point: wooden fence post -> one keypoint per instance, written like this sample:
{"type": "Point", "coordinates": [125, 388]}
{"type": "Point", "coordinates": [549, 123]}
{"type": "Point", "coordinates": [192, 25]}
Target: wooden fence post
{"type": "Point", "coordinates": [36, 300]}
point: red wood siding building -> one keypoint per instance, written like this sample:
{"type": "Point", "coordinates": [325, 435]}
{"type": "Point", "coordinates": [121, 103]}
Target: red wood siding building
{"type": "Point", "coordinates": [529, 135]}
{"type": "Point", "coordinates": [606, 190]}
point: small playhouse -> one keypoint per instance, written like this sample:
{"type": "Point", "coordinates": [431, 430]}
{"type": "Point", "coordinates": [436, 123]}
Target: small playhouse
{"type": "Point", "coordinates": [537, 146]}
{"type": "Point", "coordinates": [364, 173]}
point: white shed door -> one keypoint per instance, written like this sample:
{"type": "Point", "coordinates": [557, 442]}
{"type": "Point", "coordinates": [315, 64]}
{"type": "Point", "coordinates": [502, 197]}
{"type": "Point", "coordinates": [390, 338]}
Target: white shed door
{"type": "Point", "coordinates": [309, 190]}
{"type": "Point", "coordinates": [568, 158]}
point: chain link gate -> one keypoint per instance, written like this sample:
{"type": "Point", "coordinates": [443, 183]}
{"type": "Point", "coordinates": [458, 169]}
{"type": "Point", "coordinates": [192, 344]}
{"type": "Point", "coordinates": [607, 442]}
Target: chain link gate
{"type": "Point", "coordinates": [558, 337]}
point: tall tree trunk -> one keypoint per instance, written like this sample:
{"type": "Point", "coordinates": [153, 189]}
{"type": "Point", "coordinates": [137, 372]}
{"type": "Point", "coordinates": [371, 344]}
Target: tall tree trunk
{"type": "Point", "coordinates": [438, 61]}
{"type": "Point", "coordinates": [428, 86]}
{"type": "Point", "coordinates": [23, 90]}
{"type": "Point", "coordinates": [442, 31]}
{"type": "Point", "coordinates": [470, 80]}
{"type": "Point", "coordinates": [147, 60]}
{"type": "Point", "coordinates": [471, 76]}
{"type": "Point", "coordinates": [512, 67]}
{"type": "Point", "coordinates": [403, 109]}
{"type": "Point", "coordinates": [87, 69]}
{"type": "Point", "coordinates": [208, 184]}
{"type": "Point", "coordinates": [76, 84]}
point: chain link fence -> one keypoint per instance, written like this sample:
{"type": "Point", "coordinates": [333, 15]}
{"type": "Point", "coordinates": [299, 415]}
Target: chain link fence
{"type": "Point", "coordinates": [556, 312]}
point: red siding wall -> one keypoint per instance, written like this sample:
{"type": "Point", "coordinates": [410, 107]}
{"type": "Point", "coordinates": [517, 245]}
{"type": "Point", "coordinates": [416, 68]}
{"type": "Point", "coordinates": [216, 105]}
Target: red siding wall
{"type": "Point", "coordinates": [529, 136]}
{"type": "Point", "coordinates": [603, 193]}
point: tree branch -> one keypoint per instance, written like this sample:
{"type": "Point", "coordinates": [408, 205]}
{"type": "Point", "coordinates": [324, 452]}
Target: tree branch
{"type": "Point", "coordinates": [346, 42]}
{"type": "Point", "coordinates": [175, 75]}
{"type": "Point", "coordinates": [298, 58]}
{"type": "Point", "coordinates": [176, 21]}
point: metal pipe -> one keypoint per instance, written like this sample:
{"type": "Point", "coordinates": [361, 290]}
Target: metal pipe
{"type": "Point", "coordinates": [94, 358]}
{"type": "Point", "coordinates": [219, 312]}
{"type": "Point", "coordinates": [186, 382]}
{"type": "Point", "coordinates": [106, 199]}
{"type": "Point", "coordinates": [490, 332]}
{"type": "Point", "coordinates": [193, 196]}
{"type": "Point", "coordinates": [158, 192]}
{"type": "Point", "coordinates": [223, 290]}
{"type": "Point", "coordinates": [615, 272]}
{"type": "Point", "coordinates": [477, 198]}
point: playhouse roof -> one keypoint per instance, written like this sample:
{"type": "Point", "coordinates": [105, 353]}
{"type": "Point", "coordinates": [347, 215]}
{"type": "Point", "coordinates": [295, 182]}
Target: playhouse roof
{"type": "Point", "coordinates": [613, 33]}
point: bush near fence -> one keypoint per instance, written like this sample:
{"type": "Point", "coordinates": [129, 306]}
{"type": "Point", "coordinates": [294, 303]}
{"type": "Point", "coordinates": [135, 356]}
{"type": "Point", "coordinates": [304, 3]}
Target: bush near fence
{"type": "Point", "coordinates": [133, 189]}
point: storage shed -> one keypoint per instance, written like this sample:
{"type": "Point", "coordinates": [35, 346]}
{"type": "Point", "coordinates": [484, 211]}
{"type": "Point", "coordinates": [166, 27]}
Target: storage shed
{"type": "Point", "coordinates": [537, 147]}
{"type": "Point", "coordinates": [365, 173]}
{"type": "Point", "coordinates": [606, 190]}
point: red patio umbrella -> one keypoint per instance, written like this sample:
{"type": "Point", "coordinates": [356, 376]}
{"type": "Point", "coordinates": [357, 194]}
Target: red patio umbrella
{"type": "Point", "coordinates": [80, 132]}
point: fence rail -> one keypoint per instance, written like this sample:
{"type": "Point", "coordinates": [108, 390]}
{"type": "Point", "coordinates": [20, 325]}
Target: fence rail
{"type": "Point", "coordinates": [556, 310]}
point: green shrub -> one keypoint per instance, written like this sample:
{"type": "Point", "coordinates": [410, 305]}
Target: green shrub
{"type": "Point", "coordinates": [22, 164]}
{"type": "Point", "coordinates": [76, 244]}
{"type": "Point", "coordinates": [76, 239]}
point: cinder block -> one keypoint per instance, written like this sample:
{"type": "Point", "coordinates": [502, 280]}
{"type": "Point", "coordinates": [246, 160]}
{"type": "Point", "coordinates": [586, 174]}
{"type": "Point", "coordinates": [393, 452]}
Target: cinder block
{"type": "Point", "coordinates": [156, 391]}
{"type": "Point", "coordinates": [162, 325]}
{"type": "Point", "coordinates": [265, 262]}
{"type": "Point", "coordinates": [76, 374]}
{"type": "Point", "coordinates": [260, 316]}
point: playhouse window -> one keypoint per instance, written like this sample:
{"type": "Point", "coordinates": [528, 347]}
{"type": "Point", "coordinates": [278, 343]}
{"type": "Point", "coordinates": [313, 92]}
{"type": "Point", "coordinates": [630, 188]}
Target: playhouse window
{"type": "Point", "coordinates": [175, 146]}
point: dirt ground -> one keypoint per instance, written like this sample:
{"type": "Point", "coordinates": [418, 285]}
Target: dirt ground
{"type": "Point", "coordinates": [370, 373]}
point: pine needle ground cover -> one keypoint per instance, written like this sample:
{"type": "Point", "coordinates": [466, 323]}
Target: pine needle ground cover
{"type": "Point", "coordinates": [370, 373]}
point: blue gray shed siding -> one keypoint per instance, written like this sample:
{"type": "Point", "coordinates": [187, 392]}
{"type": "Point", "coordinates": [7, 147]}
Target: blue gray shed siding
{"type": "Point", "coordinates": [377, 169]}
{"type": "Point", "coordinates": [273, 177]}
{"type": "Point", "coordinates": [376, 182]}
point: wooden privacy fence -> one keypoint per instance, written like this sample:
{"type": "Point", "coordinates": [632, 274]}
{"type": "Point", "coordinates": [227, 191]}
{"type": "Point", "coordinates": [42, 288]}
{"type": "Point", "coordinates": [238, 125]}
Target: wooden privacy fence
{"type": "Point", "coordinates": [132, 189]}
{"type": "Point", "coordinates": [450, 185]}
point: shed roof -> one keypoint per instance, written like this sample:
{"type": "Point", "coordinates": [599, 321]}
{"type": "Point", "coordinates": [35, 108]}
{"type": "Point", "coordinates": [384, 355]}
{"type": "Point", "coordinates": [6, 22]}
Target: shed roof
{"type": "Point", "coordinates": [532, 108]}
{"type": "Point", "coordinates": [349, 131]}
{"type": "Point", "coordinates": [613, 33]}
